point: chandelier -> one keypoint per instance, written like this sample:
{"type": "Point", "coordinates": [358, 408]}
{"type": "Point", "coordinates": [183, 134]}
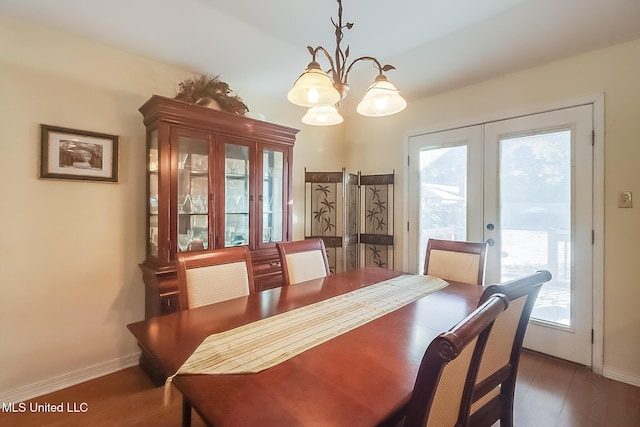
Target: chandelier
{"type": "Point", "coordinates": [321, 91]}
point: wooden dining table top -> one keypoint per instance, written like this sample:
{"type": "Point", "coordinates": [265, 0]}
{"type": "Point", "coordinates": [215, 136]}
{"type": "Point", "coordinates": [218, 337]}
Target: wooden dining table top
{"type": "Point", "coordinates": [357, 379]}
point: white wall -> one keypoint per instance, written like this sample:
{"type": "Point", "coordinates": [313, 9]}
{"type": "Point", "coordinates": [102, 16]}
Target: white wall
{"type": "Point", "coordinates": [382, 145]}
{"type": "Point", "coordinates": [70, 250]}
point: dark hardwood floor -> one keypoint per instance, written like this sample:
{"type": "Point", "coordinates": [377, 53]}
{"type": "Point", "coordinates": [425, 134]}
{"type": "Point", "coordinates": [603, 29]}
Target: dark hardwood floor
{"type": "Point", "coordinates": [549, 393]}
{"type": "Point", "coordinates": [552, 392]}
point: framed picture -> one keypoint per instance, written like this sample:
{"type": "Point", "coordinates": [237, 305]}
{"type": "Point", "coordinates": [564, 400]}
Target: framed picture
{"type": "Point", "coordinates": [78, 154]}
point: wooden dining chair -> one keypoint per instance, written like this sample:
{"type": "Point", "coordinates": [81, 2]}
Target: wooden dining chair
{"type": "Point", "coordinates": [213, 276]}
{"type": "Point", "coordinates": [442, 392]}
{"type": "Point", "coordinates": [493, 393]}
{"type": "Point", "coordinates": [303, 260]}
{"type": "Point", "coordinates": [456, 260]}
{"type": "Point", "coordinates": [210, 277]}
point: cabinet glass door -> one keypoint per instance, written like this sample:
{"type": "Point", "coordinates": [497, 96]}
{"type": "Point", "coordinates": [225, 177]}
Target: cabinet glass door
{"type": "Point", "coordinates": [193, 194]}
{"type": "Point", "coordinates": [273, 203]}
{"type": "Point", "coordinates": [236, 189]}
{"type": "Point", "coordinates": [153, 193]}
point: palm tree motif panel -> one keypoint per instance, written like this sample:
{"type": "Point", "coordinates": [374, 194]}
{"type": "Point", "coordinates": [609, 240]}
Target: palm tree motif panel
{"type": "Point", "coordinates": [324, 217]}
{"type": "Point", "coordinates": [323, 209]}
{"type": "Point", "coordinates": [376, 237]}
{"type": "Point", "coordinates": [353, 214]}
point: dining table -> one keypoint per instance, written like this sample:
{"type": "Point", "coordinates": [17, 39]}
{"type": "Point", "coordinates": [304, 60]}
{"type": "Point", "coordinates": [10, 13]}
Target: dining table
{"type": "Point", "coordinates": [361, 377]}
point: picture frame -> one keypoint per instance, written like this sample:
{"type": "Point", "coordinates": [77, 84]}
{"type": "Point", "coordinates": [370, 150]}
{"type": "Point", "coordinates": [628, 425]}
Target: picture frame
{"type": "Point", "coordinates": [78, 154]}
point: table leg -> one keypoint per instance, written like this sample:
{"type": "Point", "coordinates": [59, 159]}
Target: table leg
{"type": "Point", "coordinates": [186, 412]}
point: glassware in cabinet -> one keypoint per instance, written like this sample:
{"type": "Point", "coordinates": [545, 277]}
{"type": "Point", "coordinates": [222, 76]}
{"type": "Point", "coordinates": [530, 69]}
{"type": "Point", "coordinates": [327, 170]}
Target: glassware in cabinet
{"type": "Point", "coordinates": [193, 194]}
{"type": "Point", "coordinates": [237, 195]}
{"type": "Point", "coordinates": [273, 203]}
{"type": "Point", "coordinates": [153, 193]}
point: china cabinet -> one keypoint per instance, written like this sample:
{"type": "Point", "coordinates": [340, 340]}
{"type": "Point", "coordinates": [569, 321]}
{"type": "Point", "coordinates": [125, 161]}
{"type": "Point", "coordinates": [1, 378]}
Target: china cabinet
{"type": "Point", "coordinates": [214, 180]}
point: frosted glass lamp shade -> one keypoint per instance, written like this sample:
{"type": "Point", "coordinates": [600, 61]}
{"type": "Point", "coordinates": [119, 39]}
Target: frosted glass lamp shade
{"type": "Point", "coordinates": [322, 116]}
{"type": "Point", "coordinates": [381, 99]}
{"type": "Point", "coordinates": [313, 88]}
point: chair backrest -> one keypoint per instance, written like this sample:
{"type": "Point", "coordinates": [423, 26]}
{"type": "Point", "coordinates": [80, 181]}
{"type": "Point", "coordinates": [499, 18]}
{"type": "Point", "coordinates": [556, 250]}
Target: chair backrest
{"type": "Point", "coordinates": [303, 260]}
{"type": "Point", "coordinates": [213, 276]}
{"type": "Point", "coordinates": [442, 391]}
{"type": "Point", "coordinates": [493, 393]}
{"type": "Point", "coordinates": [455, 260]}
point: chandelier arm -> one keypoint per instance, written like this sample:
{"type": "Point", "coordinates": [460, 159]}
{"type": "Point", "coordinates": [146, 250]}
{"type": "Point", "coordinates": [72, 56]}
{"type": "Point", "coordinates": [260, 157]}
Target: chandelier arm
{"type": "Point", "coordinates": [326, 53]}
{"type": "Point", "coordinates": [313, 52]}
{"type": "Point", "coordinates": [365, 58]}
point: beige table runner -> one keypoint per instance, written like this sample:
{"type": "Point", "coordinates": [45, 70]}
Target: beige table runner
{"type": "Point", "coordinates": [262, 344]}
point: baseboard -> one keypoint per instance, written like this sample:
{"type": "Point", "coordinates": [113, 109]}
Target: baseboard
{"type": "Point", "coordinates": [621, 376]}
{"type": "Point", "coordinates": [67, 380]}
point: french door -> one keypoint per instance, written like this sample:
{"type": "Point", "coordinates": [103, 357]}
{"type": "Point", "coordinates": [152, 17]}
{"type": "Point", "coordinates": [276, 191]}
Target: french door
{"type": "Point", "coordinates": [525, 186]}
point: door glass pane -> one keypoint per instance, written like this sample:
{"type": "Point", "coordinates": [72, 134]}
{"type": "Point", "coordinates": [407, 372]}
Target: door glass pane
{"type": "Point", "coordinates": [272, 195]}
{"type": "Point", "coordinates": [236, 221]}
{"type": "Point", "coordinates": [193, 194]}
{"type": "Point", "coordinates": [535, 215]}
{"type": "Point", "coordinates": [443, 195]}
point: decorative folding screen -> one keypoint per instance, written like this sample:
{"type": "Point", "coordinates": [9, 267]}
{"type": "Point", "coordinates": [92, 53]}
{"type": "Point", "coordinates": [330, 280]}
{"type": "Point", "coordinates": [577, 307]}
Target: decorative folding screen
{"type": "Point", "coordinates": [353, 215]}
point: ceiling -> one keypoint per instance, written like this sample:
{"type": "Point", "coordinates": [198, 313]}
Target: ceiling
{"type": "Point", "coordinates": [260, 46]}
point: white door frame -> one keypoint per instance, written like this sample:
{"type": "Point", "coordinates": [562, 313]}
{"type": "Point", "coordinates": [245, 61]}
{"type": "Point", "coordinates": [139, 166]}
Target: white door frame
{"type": "Point", "coordinates": [598, 201]}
